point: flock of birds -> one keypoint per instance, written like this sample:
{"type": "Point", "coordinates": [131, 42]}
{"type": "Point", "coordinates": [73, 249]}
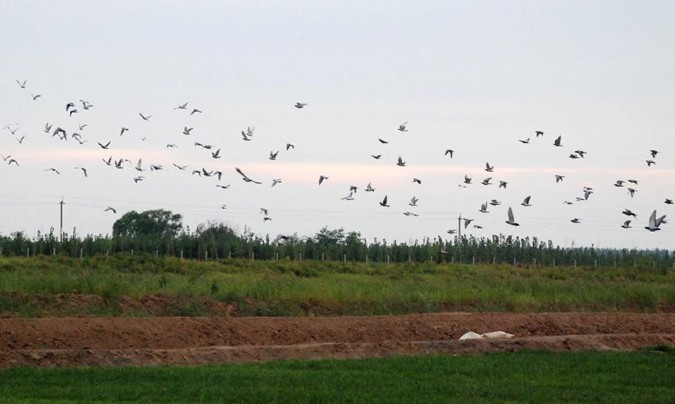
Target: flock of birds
{"type": "Point", "coordinates": [80, 108]}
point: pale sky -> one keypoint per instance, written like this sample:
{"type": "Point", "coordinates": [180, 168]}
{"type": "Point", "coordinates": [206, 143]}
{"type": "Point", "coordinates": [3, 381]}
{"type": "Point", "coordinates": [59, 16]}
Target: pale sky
{"type": "Point", "coordinates": [472, 76]}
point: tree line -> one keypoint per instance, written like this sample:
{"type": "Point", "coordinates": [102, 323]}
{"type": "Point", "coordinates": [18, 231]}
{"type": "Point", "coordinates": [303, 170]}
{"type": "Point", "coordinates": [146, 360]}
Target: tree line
{"type": "Point", "coordinates": [161, 232]}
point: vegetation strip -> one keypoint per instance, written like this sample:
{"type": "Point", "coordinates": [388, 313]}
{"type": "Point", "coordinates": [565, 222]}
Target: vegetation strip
{"type": "Point", "coordinates": [644, 376]}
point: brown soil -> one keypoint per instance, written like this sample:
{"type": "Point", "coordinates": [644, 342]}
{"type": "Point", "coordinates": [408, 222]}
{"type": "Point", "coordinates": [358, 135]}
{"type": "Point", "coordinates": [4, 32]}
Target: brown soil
{"type": "Point", "coordinates": [96, 341]}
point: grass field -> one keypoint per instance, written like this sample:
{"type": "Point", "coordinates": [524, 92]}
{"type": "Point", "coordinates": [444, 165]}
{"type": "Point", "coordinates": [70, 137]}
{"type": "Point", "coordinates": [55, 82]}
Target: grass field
{"type": "Point", "coordinates": [290, 288]}
{"type": "Point", "coordinates": [612, 377]}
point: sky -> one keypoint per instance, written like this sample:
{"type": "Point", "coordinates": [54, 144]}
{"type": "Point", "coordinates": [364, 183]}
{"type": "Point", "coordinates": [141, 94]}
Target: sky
{"type": "Point", "coordinates": [472, 76]}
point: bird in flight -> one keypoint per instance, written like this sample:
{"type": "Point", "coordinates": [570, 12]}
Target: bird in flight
{"type": "Point", "coordinates": [53, 170]}
{"type": "Point", "coordinates": [557, 141]}
{"type": "Point", "coordinates": [486, 181]}
{"type": "Point", "coordinates": [216, 154]}
{"type": "Point", "coordinates": [628, 212]}
{"type": "Point", "coordinates": [36, 96]}
{"type": "Point", "coordinates": [182, 106]}
{"type": "Point", "coordinates": [450, 152]}
{"type": "Point", "coordinates": [668, 201]}
{"type": "Point", "coordinates": [300, 105]}
{"type": "Point", "coordinates": [489, 168]}
{"type": "Point", "coordinates": [575, 220]}
{"type": "Point", "coordinates": [369, 188]}
{"type": "Point", "coordinates": [382, 141]}
{"type": "Point", "coordinates": [322, 178]}
{"type": "Point", "coordinates": [526, 201]}
{"type": "Point", "coordinates": [104, 146]}
{"type": "Point", "coordinates": [289, 146]}
{"type": "Point", "coordinates": [413, 201]}
{"type": "Point", "coordinates": [21, 84]}
{"type": "Point", "coordinates": [223, 186]}
{"type": "Point", "coordinates": [402, 127]}
{"type": "Point", "coordinates": [84, 170]}
{"type": "Point", "coordinates": [273, 155]}
{"type": "Point", "coordinates": [502, 184]}
{"type": "Point", "coordinates": [538, 133]}
{"type": "Point", "coordinates": [654, 223]}
{"type": "Point", "coordinates": [525, 141]}
{"type": "Point", "coordinates": [376, 156]}
{"type": "Point", "coordinates": [626, 224]}
{"type": "Point", "coordinates": [400, 162]}
{"type": "Point", "coordinates": [110, 209]}
{"type": "Point", "coordinates": [483, 208]}
{"type": "Point", "coordinates": [195, 111]}
{"type": "Point", "coordinates": [650, 163]}
{"type": "Point", "coordinates": [145, 117]}
{"type": "Point", "coordinates": [245, 177]}
{"type": "Point", "coordinates": [276, 181]}
{"type": "Point", "coordinates": [179, 167]}
{"type": "Point", "coordinates": [417, 181]}
{"type": "Point", "coordinates": [186, 131]}
{"type": "Point", "coordinates": [511, 220]}
{"type": "Point", "coordinates": [558, 178]}
{"type": "Point", "coordinates": [384, 202]}
{"type": "Point", "coordinates": [653, 153]}
{"type": "Point", "coordinates": [123, 130]}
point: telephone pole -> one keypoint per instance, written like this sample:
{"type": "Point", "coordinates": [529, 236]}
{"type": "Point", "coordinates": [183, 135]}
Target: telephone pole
{"type": "Point", "coordinates": [61, 222]}
{"type": "Point", "coordinates": [459, 226]}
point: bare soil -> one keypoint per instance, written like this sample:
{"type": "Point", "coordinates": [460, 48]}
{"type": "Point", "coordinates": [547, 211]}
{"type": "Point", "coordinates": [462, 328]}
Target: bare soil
{"type": "Point", "coordinates": [118, 341]}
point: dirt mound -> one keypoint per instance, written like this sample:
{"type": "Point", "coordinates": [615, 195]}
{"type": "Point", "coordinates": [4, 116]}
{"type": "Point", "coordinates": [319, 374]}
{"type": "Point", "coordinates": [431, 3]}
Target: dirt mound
{"type": "Point", "coordinates": [100, 341]}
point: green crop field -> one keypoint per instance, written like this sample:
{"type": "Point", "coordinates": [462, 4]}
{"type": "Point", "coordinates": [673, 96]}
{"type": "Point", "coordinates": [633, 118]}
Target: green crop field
{"type": "Point", "coordinates": [612, 377]}
{"type": "Point", "coordinates": [30, 286]}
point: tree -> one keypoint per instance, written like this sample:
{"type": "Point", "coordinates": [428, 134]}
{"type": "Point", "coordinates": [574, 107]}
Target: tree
{"type": "Point", "coordinates": [156, 223]}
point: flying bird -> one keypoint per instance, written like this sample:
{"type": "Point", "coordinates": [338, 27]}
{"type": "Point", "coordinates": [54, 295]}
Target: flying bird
{"type": "Point", "coordinates": [557, 141]}
{"type": "Point", "coordinates": [186, 131]}
{"type": "Point", "coordinates": [123, 130]}
{"type": "Point", "coordinates": [276, 181]}
{"type": "Point", "coordinates": [369, 188]}
{"type": "Point", "coordinates": [417, 181]}
{"type": "Point", "coordinates": [245, 177]}
{"type": "Point", "coordinates": [84, 170]}
{"type": "Point", "coordinates": [538, 133]}
{"type": "Point", "coordinates": [21, 84]}
{"type": "Point", "coordinates": [486, 181]}
{"type": "Point", "coordinates": [179, 167]}
{"type": "Point", "coordinates": [483, 208]}
{"type": "Point", "coordinates": [382, 141]}
{"type": "Point", "coordinates": [145, 118]}
{"type": "Point", "coordinates": [413, 201]}
{"type": "Point", "coordinates": [384, 202]}
{"type": "Point", "coordinates": [575, 220]}
{"type": "Point", "coordinates": [104, 146]}
{"type": "Point", "coordinates": [559, 178]}
{"type": "Point", "coordinates": [402, 127]}
{"type": "Point", "coordinates": [289, 146]}
{"type": "Point", "coordinates": [273, 155]}
{"type": "Point", "coordinates": [400, 162]}
{"type": "Point", "coordinates": [300, 105]}
{"type": "Point", "coordinates": [489, 168]}
{"type": "Point", "coordinates": [216, 154]}
{"type": "Point", "coordinates": [182, 106]}
{"type": "Point", "coordinates": [53, 169]}
{"type": "Point", "coordinates": [511, 220]}
{"type": "Point", "coordinates": [503, 184]}
{"type": "Point", "coordinates": [36, 96]}
{"type": "Point", "coordinates": [376, 157]}
{"type": "Point", "coordinates": [195, 111]}
{"type": "Point", "coordinates": [653, 153]}
{"type": "Point", "coordinates": [526, 201]}
{"type": "Point", "coordinates": [654, 223]}
{"type": "Point", "coordinates": [626, 224]}
{"type": "Point", "coordinates": [111, 209]}
{"type": "Point", "coordinates": [628, 212]}
{"type": "Point", "coordinates": [322, 178]}
{"type": "Point", "coordinates": [650, 163]}
{"type": "Point", "coordinates": [526, 141]}
{"type": "Point", "coordinates": [450, 152]}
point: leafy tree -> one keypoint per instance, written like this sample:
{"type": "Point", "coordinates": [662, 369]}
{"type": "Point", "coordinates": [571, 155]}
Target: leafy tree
{"type": "Point", "coordinates": [151, 223]}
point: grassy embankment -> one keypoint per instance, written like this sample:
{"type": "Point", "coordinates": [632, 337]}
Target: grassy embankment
{"type": "Point", "coordinates": [31, 287]}
{"type": "Point", "coordinates": [611, 377]}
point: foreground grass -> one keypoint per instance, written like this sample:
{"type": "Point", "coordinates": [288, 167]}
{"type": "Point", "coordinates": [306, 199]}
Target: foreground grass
{"type": "Point", "coordinates": [527, 376]}
{"type": "Point", "coordinates": [287, 288]}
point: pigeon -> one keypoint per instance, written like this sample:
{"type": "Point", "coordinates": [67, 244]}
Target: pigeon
{"type": "Point", "coordinates": [483, 208]}
{"type": "Point", "coordinates": [538, 133]}
{"type": "Point", "coordinates": [653, 153]}
{"type": "Point", "coordinates": [557, 141]}
{"type": "Point", "coordinates": [402, 127]}
{"type": "Point", "coordinates": [276, 181]}
{"type": "Point", "coordinates": [84, 170]}
{"type": "Point", "coordinates": [384, 202]}
{"type": "Point", "coordinates": [467, 179]}
{"type": "Point", "coordinates": [216, 154]}
{"type": "Point", "coordinates": [35, 96]}
{"type": "Point", "coordinates": [452, 231]}
{"type": "Point", "coordinates": [408, 213]}
{"type": "Point", "coordinates": [69, 106]}
{"type": "Point", "coordinates": [450, 152]}
{"type": "Point", "coordinates": [574, 156]}
{"type": "Point", "coordinates": [182, 106]}
{"type": "Point", "coordinates": [650, 163]}
{"type": "Point", "coordinates": [179, 167]}
{"type": "Point", "coordinates": [376, 156]}
{"type": "Point", "coordinates": [495, 202]}
{"type": "Point", "coordinates": [82, 126]}
{"type": "Point", "coordinates": [369, 188]}
{"type": "Point", "coordinates": [633, 182]}
{"type": "Point", "coordinates": [110, 209]}
{"type": "Point", "coordinates": [628, 212]}
{"type": "Point", "coordinates": [48, 127]}
{"type": "Point", "coordinates": [108, 162]}
{"type": "Point", "coordinates": [526, 202]}
{"type": "Point", "coordinates": [668, 201]}
{"type": "Point", "coordinates": [273, 155]}
{"type": "Point", "coordinates": [525, 141]}
{"type": "Point", "coordinates": [349, 197]}
{"type": "Point", "coordinates": [486, 181]}
{"type": "Point", "coordinates": [123, 130]}
{"type": "Point", "coordinates": [382, 141]}
{"type": "Point", "coordinates": [626, 224]}
{"type": "Point", "coordinates": [511, 220]}
{"type": "Point", "coordinates": [186, 131]}
{"type": "Point", "coordinates": [632, 191]}
{"type": "Point", "coordinates": [489, 168]}
{"type": "Point", "coordinates": [581, 153]}
{"type": "Point", "coordinates": [300, 105]}
{"type": "Point", "coordinates": [53, 169]}
{"type": "Point", "coordinates": [145, 118]}
{"type": "Point", "coordinates": [417, 181]}
{"type": "Point", "coordinates": [138, 179]}
{"type": "Point", "coordinates": [575, 220]}
{"type": "Point", "coordinates": [654, 223]}
{"type": "Point", "coordinates": [502, 184]}
{"type": "Point", "coordinates": [619, 183]}
{"type": "Point", "coordinates": [21, 84]}
{"type": "Point", "coordinates": [413, 201]}
{"type": "Point", "coordinates": [195, 111]}
{"type": "Point", "coordinates": [322, 178]}
{"type": "Point", "coordinates": [245, 177]}
{"type": "Point", "coordinates": [289, 146]}
{"type": "Point", "coordinates": [400, 162]}
{"type": "Point", "coordinates": [223, 186]}
{"type": "Point", "coordinates": [467, 222]}
{"type": "Point", "coordinates": [559, 178]}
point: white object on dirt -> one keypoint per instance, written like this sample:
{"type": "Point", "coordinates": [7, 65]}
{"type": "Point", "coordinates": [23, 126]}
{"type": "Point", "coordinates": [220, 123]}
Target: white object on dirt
{"type": "Point", "coordinates": [470, 335]}
{"type": "Point", "coordinates": [497, 334]}
{"type": "Point", "coordinates": [487, 335]}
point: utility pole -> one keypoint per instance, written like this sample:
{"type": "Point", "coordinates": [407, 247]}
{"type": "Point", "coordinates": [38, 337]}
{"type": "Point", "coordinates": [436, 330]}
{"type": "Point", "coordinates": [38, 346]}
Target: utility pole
{"type": "Point", "coordinates": [61, 222]}
{"type": "Point", "coordinates": [459, 226]}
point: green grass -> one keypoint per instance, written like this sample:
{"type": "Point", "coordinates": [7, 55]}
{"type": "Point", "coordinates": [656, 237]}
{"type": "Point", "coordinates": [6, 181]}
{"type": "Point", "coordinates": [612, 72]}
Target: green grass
{"type": "Point", "coordinates": [612, 377]}
{"type": "Point", "coordinates": [289, 288]}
